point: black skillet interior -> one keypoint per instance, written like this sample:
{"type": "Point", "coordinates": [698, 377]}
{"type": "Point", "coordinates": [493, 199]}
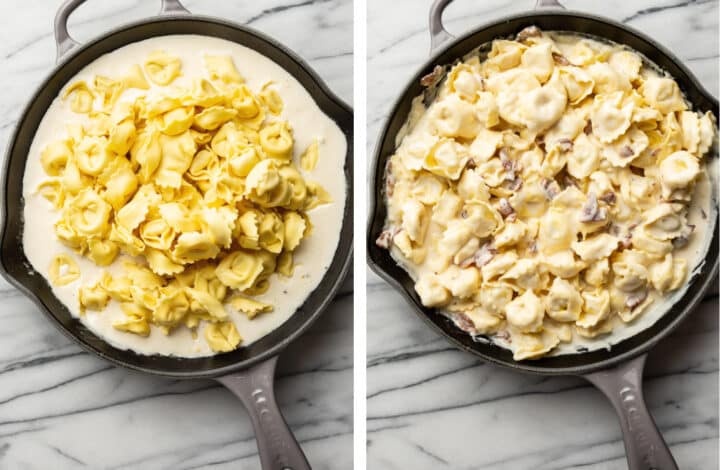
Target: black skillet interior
{"type": "Point", "coordinates": [382, 263]}
{"type": "Point", "coordinates": [18, 270]}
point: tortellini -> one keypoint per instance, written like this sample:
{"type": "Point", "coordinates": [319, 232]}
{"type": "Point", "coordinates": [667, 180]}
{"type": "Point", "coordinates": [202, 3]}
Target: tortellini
{"type": "Point", "coordinates": [542, 197]}
{"type": "Point", "coordinates": [162, 68]}
{"type": "Point", "coordinates": [63, 270]}
{"type": "Point", "coordinates": [198, 186]}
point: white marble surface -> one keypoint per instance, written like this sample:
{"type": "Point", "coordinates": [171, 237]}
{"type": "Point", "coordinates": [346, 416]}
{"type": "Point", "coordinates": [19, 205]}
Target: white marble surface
{"type": "Point", "coordinates": [432, 407]}
{"type": "Point", "coordinates": [61, 408]}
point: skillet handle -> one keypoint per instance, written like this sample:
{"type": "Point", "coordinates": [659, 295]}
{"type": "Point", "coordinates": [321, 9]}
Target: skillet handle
{"type": "Point", "coordinates": [548, 4]}
{"type": "Point", "coordinates": [645, 447]}
{"type": "Point", "coordinates": [276, 444]}
{"type": "Point", "coordinates": [438, 33]}
{"type": "Point", "coordinates": [65, 43]}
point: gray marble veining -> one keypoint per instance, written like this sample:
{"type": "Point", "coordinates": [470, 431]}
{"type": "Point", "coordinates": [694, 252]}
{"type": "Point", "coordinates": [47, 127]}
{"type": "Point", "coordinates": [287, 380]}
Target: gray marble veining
{"type": "Point", "coordinates": [431, 406]}
{"type": "Point", "coordinates": [61, 408]}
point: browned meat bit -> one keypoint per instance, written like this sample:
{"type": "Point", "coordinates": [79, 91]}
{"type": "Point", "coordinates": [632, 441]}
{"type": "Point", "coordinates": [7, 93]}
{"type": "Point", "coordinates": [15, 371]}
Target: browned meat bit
{"type": "Point", "coordinates": [529, 32]}
{"type": "Point", "coordinates": [682, 240]}
{"type": "Point", "coordinates": [626, 152]}
{"type": "Point", "coordinates": [385, 238]}
{"type": "Point", "coordinates": [591, 212]}
{"type": "Point", "coordinates": [509, 170]}
{"type": "Point", "coordinates": [504, 156]}
{"type": "Point", "coordinates": [515, 184]}
{"type": "Point", "coordinates": [511, 218]}
{"type": "Point", "coordinates": [560, 59]}
{"type": "Point", "coordinates": [389, 179]}
{"type": "Point", "coordinates": [504, 335]}
{"type": "Point", "coordinates": [588, 128]}
{"type": "Point", "coordinates": [464, 322]}
{"type": "Point", "coordinates": [504, 207]}
{"type": "Point", "coordinates": [635, 299]}
{"type": "Point", "coordinates": [432, 78]}
{"type": "Point", "coordinates": [550, 187]}
{"type": "Point", "coordinates": [565, 144]}
{"type": "Point", "coordinates": [484, 255]}
{"type": "Point", "coordinates": [608, 198]}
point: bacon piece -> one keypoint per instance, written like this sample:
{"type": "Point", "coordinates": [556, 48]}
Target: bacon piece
{"type": "Point", "coordinates": [481, 257]}
{"type": "Point", "coordinates": [550, 187]}
{"type": "Point", "coordinates": [384, 240]}
{"type": "Point", "coordinates": [588, 128]}
{"type": "Point", "coordinates": [560, 59]}
{"type": "Point", "coordinates": [608, 198]}
{"type": "Point", "coordinates": [635, 299]}
{"type": "Point", "coordinates": [464, 322]}
{"type": "Point", "coordinates": [515, 184]}
{"type": "Point", "coordinates": [529, 32]}
{"type": "Point", "coordinates": [682, 240]}
{"type": "Point", "coordinates": [565, 144]}
{"type": "Point", "coordinates": [504, 207]}
{"type": "Point", "coordinates": [389, 179]}
{"type": "Point", "coordinates": [626, 152]}
{"type": "Point", "coordinates": [504, 335]}
{"type": "Point", "coordinates": [431, 78]}
{"type": "Point", "coordinates": [591, 212]}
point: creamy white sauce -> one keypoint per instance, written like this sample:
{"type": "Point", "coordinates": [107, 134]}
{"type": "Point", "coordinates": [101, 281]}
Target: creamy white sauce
{"type": "Point", "coordinates": [312, 258]}
{"type": "Point", "coordinates": [702, 212]}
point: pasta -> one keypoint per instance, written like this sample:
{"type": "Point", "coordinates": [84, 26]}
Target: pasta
{"type": "Point", "coordinates": [197, 184]}
{"type": "Point", "coordinates": [543, 196]}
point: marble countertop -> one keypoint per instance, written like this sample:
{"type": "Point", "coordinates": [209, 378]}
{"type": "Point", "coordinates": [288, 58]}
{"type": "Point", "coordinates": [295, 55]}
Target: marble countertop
{"type": "Point", "coordinates": [431, 406]}
{"type": "Point", "coordinates": [62, 408]}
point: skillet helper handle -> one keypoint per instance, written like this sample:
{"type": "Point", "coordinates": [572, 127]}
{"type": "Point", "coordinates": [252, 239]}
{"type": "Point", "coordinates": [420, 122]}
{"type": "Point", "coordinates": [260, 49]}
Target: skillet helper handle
{"type": "Point", "coordinates": [548, 4]}
{"type": "Point", "coordinates": [645, 447]}
{"type": "Point", "coordinates": [438, 33]}
{"type": "Point", "coordinates": [278, 448]}
{"type": "Point", "coordinates": [65, 43]}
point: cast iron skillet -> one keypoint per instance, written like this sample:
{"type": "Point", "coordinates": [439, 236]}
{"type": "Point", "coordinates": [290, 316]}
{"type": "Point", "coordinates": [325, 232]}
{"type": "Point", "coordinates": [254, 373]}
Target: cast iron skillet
{"type": "Point", "coordinates": [616, 372]}
{"type": "Point", "coordinates": [248, 372]}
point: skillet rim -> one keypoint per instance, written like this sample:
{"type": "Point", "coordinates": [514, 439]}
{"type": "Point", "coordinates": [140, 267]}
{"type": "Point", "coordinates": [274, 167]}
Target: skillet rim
{"type": "Point", "coordinates": [376, 256]}
{"type": "Point", "coordinates": [340, 112]}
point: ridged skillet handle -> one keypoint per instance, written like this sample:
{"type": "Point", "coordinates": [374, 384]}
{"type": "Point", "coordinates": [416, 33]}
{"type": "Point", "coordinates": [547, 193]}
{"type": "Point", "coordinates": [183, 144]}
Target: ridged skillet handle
{"type": "Point", "coordinates": [645, 447]}
{"type": "Point", "coordinates": [65, 43]}
{"type": "Point", "coordinates": [439, 35]}
{"type": "Point", "coordinates": [277, 446]}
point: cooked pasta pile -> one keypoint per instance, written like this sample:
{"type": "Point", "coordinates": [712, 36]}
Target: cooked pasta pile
{"type": "Point", "coordinates": [195, 186]}
{"type": "Point", "coordinates": [544, 193]}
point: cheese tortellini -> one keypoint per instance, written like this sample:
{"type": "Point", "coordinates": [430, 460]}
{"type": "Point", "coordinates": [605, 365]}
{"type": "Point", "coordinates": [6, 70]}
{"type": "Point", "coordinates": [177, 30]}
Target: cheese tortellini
{"type": "Point", "coordinates": [191, 193]}
{"type": "Point", "coordinates": [543, 196]}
